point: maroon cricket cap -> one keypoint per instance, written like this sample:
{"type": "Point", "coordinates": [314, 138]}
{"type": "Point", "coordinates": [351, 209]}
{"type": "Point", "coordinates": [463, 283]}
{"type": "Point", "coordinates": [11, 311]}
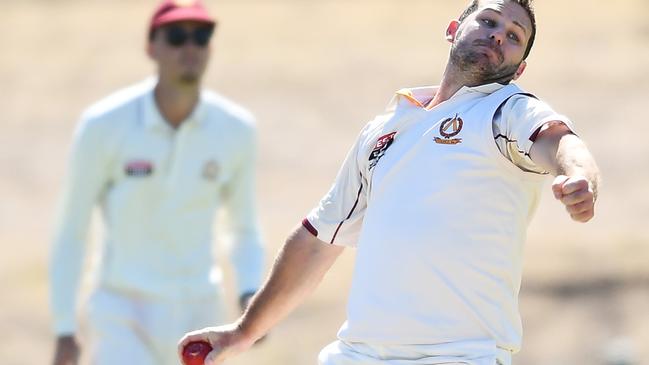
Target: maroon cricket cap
{"type": "Point", "coordinates": [170, 11]}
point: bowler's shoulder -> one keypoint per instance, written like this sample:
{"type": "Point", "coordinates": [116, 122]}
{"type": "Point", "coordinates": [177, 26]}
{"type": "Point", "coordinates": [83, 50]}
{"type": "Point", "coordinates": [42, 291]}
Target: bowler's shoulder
{"type": "Point", "coordinates": [404, 108]}
{"type": "Point", "coordinates": [524, 102]}
{"type": "Point", "coordinates": [221, 110]}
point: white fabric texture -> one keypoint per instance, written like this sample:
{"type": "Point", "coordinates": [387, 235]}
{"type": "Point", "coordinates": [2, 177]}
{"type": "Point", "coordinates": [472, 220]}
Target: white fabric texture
{"type": "Point", "coordinates": [466, 353]}
{"type": "Point", "coordinates": [122, 328]}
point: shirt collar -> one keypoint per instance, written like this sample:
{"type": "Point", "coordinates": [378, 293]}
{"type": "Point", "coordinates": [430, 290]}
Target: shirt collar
{"type": "Point", "coordinates": [153, 119]}
{"type": "Point", "coordinates": [421, 96]}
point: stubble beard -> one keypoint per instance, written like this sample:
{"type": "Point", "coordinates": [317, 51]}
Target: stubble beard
{"type": "Point", "coordinates": [477, 68]}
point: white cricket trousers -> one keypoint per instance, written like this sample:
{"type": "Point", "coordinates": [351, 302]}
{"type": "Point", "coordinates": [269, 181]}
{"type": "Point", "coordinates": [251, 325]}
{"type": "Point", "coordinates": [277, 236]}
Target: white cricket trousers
{"type": "Point", "coordinates": [121, 328]}
{"type": "Point", "coordinates": [467, 353]}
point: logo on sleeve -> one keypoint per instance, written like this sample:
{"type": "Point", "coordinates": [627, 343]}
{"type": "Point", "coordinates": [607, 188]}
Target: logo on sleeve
{"type": "Point", "coordinates": [450, 128]}
{"type": "Point", "coordinates": [138, 168]}
{"type": "Point", "coordinates": [381, 146]}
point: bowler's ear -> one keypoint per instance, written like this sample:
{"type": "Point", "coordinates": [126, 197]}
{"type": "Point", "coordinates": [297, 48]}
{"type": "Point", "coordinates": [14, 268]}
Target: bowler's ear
{"type": "Point", "coordinates": [520, 70]}
{"type": "Point", "coordinates": [451, 30]}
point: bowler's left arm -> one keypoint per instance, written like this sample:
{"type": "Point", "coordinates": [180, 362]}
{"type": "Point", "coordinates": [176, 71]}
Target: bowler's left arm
{"type": "Point", "coordinates": [562, 153]}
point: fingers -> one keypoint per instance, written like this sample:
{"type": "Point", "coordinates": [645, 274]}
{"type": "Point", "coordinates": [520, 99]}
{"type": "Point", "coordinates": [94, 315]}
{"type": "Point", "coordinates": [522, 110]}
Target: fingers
{"type": "Point", "coordinates": [194, 336]}
{"type": "Point", "coordinates": [221, 338]}
{"type": "Point", "coordinates": [225, 340]}
{"type": "Point", "coordinates": [580, 207]}
{"type": "Point", "coordinates": [582, 212]}
{"type": "Point", "coordinates": [578, 197]}
{"type": "Point", "coordinates": [575, 184]}
{"type": "Point", "coordinates": [557, 186]}
{"type": "Point", "coordinates": [215, 357]}
{"type": "Point", "coordinates": [564, 185]}
{"type": "Point", "coordinates": [583, 217]}
{"type": "Point", "coordinates": [575, 193]}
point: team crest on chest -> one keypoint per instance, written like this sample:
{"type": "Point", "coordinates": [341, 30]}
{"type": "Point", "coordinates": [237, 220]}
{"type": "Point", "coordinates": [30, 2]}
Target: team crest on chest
{"type": "Point", "coordinates": [380, 147]}
{"type": "Point", "coordinates": [210, 170]}
{"type": "Point", "coordinates": [448, 129]}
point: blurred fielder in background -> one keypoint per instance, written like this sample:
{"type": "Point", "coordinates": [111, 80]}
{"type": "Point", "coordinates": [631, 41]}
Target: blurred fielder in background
{"type": "Point", "coordinates": [160, 158]}
{"type": "Point", "coordinates": [436, 195]}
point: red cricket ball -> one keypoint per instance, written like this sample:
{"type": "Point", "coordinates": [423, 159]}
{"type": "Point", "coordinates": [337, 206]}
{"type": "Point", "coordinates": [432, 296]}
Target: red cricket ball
{"type": "Point", "coordinates": [194, 353]}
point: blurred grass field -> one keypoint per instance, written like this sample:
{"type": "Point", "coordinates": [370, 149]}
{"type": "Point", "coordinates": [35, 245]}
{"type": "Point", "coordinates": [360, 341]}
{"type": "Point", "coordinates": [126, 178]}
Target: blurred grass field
{"type": "Point", "coordinates": [314, 72]}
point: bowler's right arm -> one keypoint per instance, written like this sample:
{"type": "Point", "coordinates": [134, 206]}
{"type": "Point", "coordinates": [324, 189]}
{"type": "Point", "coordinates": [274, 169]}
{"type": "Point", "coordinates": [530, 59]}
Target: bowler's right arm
{"type": "Point", "coordinates": [301, 264]}
{"type": "Point", "coordinates": [298, 269]}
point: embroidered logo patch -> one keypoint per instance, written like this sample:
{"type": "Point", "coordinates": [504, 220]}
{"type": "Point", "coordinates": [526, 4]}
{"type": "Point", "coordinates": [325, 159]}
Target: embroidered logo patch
{"type": "Point", "coordinates": [381, 146]}
{"type": "Point", "coordinates": [449, 128]}
{"type": "Point", "coordinates": [138, 168]}
{"type": "Point", "coordinates": [211, 170]}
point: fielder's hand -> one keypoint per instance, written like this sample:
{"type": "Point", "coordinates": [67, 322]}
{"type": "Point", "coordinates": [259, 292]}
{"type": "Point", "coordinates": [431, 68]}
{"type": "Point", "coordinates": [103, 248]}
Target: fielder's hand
{"type": "Point", "coordinates": [226, 342]}
{"type": "Point", "coordinates": [576, 193]}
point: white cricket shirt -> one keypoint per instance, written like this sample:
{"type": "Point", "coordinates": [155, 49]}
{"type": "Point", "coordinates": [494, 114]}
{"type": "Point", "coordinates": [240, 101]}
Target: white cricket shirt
{"type": "Point", "coordinates": [438, 214]}
{"type": "Point", "coordinates": [159, 189]}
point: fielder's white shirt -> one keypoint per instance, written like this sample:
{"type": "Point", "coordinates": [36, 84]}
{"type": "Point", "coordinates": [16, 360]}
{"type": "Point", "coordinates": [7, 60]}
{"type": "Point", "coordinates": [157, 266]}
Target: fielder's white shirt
{"type": "Point", "coordinates": [158, 189]}
{"type": "Point", "coordinates": [437, 207]}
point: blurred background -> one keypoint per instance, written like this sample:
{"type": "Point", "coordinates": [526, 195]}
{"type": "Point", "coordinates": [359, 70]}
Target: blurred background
{"type": "Point", "coordinates": [314, 72]}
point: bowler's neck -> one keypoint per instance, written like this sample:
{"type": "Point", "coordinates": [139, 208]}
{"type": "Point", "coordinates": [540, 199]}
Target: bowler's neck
{"type": "Point", "coordinates": [450, 84]}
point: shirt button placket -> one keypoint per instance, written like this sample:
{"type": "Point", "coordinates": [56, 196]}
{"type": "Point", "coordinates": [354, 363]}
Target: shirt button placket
{"type": "Point", "coordinates": [176, 158]}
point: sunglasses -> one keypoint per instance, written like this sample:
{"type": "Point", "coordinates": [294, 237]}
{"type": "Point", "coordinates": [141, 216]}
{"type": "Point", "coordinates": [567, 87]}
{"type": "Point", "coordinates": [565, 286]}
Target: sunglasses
{"type": "Point", "coordinates": [178, 36]}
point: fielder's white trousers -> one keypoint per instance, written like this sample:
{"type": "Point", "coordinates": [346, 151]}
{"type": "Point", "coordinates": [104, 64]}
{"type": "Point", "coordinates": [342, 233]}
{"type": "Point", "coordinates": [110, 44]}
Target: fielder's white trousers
{"type": "Point", "coordinates": [123, 328]}
{"type": "Point", "coordinates": [465, 353]}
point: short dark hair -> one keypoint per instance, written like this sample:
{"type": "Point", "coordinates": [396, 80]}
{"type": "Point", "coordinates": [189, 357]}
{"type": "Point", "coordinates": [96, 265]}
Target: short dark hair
{"type": "Point", "coordinates": [525, 4]}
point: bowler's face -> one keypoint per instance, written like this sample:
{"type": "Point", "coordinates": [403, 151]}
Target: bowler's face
{"type": "Point", "coordinates": [184, 62]}
{"type": "Point", "coordinates": [504, 22]}
{"type": "Point", "coordinates": [493, 39]}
